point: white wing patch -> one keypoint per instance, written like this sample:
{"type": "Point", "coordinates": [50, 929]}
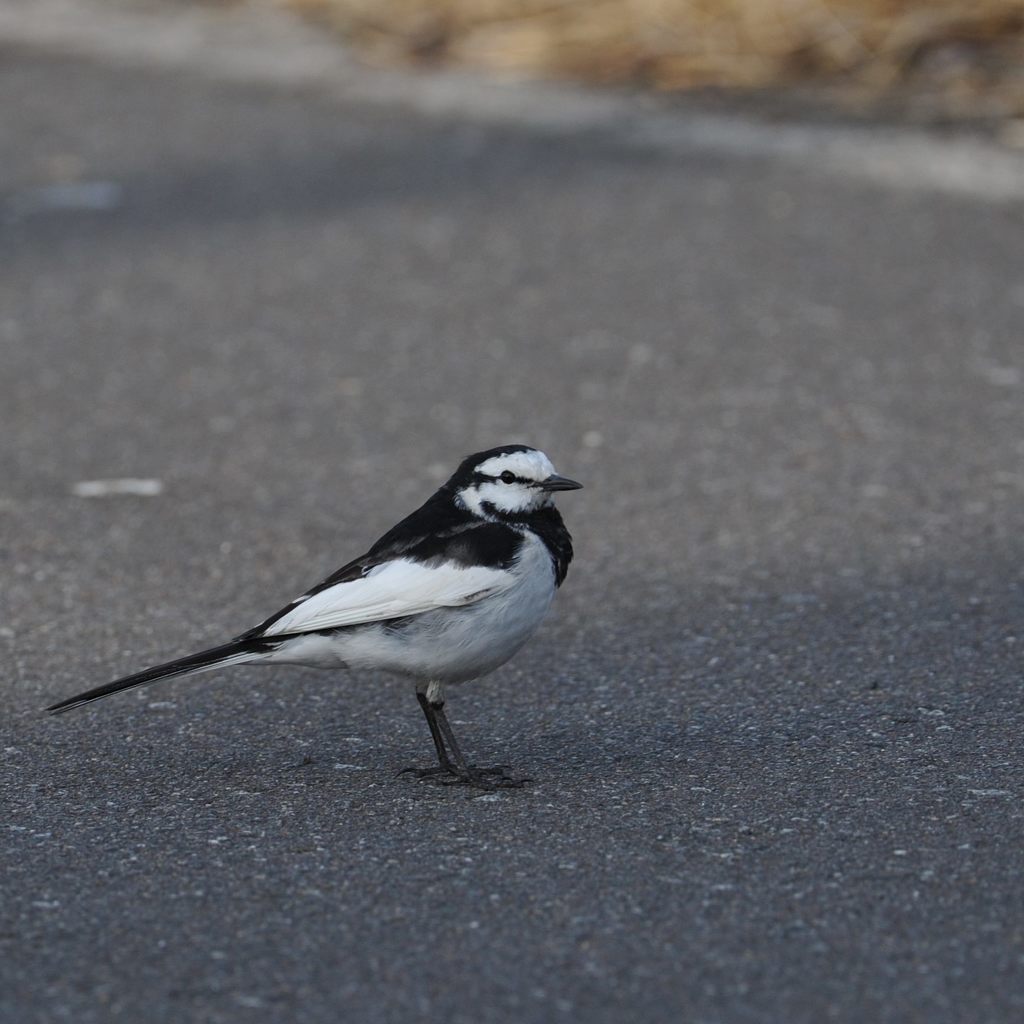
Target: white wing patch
{"type": "Point", "coordinates": [389, 591]}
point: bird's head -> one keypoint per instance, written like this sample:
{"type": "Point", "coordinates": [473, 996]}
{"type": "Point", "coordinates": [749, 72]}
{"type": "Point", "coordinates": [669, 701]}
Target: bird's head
{"type": "Point", "coordinates": [512, 481]}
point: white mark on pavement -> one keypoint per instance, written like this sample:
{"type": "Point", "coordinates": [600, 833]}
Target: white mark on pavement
{"type": "Point", "coordinates": [136, 486]}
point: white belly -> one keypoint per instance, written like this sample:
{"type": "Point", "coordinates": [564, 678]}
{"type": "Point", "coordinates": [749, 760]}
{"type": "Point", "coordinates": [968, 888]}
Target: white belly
{"type": "Point", "coordinates": [449, 645]}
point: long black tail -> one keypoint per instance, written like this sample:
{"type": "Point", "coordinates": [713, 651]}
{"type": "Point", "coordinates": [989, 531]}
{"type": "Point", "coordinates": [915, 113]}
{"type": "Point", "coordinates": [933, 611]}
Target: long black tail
{"type": "Point", "coordinates": [232, 653]}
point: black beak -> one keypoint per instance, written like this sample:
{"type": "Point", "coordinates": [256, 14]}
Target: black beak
{"type": "Point", "coordinates": [559, 483]}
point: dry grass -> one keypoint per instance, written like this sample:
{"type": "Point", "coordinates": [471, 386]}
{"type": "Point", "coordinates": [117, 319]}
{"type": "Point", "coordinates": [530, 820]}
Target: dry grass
{"type": "Point", "coordinates": [968, 51]}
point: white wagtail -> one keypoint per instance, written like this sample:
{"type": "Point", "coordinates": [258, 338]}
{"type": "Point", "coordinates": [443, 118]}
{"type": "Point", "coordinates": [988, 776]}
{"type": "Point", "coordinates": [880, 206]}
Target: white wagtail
{"type": "Point", "coordinates": [447, 595]}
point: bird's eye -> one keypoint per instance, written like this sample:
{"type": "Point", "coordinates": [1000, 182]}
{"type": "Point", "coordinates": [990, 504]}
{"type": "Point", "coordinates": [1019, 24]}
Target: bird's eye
{"type": "Point", "coordinates": [508, 477]}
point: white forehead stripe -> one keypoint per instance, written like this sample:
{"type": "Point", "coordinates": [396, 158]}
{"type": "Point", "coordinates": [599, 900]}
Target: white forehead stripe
{"type": "Point", "coordinates": [531, 465]}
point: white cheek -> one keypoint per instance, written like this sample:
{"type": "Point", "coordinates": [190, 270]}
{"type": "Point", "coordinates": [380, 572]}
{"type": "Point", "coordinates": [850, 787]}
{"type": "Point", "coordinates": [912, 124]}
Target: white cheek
{"type": "Point", "coordinates": [506, 497]}
{"type": "Point", "coordinates": [497, 495]}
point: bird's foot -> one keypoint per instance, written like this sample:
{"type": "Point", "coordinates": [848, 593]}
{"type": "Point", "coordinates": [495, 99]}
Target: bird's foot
{"type": "Point", "coordinates": [496, 777]}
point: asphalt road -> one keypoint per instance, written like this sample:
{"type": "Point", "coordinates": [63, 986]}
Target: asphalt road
{"type": "Point", "coordinates": [776, 724]}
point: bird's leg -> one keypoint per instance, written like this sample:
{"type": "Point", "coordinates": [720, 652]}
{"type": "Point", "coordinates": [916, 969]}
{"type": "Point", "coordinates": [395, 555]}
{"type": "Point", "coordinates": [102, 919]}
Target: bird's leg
{"type": "Point", "coordinates": [462, 765]}
{"type": "Point", "coordinates": [444, 764]}
{"type": "Point", "coordinates": [448, 751]}
{"type": "Point", "coordinates": [435, 733]}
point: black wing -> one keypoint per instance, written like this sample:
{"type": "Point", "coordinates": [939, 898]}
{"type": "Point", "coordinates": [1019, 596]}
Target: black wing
{"type": "Point", "coordinates": [437, 531]}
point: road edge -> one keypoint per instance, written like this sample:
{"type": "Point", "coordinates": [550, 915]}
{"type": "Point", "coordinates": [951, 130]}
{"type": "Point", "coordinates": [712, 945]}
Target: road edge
{"type": "Point", "coordinates": [259, 43]}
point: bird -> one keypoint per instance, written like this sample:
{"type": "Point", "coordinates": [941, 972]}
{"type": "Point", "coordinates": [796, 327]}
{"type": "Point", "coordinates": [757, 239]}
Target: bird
{"type": "Point", "coordinates": [447, 595]}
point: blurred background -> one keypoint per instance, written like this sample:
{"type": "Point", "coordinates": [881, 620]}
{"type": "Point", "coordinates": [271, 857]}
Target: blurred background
{"type": "Point", "coordinates": [925, 58]}
{"type": "Point", "coordinates": [751, 271]}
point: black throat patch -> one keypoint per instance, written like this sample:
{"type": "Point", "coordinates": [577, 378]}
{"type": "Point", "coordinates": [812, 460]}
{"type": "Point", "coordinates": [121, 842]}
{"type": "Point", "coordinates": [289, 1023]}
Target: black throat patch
{"type": "Point", "coordinates": [547, 524]}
